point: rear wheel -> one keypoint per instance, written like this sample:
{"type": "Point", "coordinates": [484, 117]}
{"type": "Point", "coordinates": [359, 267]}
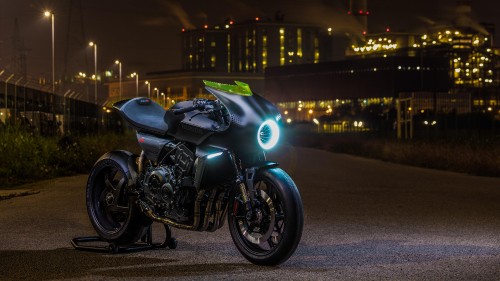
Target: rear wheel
{"type": "Point", "coordinates": [269, 234]}
{"type": "Point", "coordinates": [114, 215]}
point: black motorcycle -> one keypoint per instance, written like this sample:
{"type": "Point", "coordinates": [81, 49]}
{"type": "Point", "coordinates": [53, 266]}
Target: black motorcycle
{"type": "Point", "coordinates": [201, 160]}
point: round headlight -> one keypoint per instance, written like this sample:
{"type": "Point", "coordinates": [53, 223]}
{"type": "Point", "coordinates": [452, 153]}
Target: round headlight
{"type": "Point", "coordinates": [268, 134]}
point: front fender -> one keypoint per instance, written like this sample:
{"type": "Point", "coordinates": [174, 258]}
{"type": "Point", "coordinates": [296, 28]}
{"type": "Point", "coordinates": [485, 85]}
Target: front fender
{"type": "Point", "coordinates": [264, 165]}
{"type": "Point", "coordinates": [252, 171]}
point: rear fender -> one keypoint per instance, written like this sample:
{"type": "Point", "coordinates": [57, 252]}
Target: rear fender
{"type": "Point", "coordinates": [127, 162]}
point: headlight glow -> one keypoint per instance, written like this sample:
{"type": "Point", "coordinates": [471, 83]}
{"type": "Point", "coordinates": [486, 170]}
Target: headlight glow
{"type": "Point", "coordinates": [268, 134]}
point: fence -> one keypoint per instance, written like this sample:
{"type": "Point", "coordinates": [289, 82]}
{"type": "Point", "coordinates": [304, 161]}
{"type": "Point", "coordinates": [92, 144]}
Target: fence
{"type": "Point", "coordinates": [30, 105]}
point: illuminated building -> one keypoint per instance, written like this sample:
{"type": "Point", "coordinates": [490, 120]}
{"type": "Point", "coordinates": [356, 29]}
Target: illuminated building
{"type": "Point", "coordinates": [447, 68]}
{"type": "Point", "coordinates": [232, 51]}
{"type": "Point", "coordinates": [467, 44]}
{"type": "Point", "coordinates": [364, 82]}
{"type": "Point", "coordinates": [205, 49]}
{"type": "Point", "coordinates": [470, 53]}
{"type": "Point", "coordinates": [253, 45]}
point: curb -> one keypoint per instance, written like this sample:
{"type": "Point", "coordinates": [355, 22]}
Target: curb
{"type": "Point", "coordinates": [7, 194]}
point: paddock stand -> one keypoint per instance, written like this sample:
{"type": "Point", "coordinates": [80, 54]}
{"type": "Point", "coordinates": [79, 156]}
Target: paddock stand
{"type": "Point", "coordinates": [88, 243]}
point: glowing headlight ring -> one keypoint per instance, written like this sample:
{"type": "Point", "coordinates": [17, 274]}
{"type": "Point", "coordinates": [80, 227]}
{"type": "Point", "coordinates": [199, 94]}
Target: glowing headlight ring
{"type": "Point", "coordinates": [268, 134]}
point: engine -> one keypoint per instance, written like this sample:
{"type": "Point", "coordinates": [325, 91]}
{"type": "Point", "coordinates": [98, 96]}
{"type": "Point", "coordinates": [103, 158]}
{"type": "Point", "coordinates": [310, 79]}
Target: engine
{"type": "Point", "coordinates": [168, 187]}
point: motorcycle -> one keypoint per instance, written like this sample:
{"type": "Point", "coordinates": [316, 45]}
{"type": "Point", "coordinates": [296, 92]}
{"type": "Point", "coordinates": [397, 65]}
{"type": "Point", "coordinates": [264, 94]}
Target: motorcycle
{"type": "Point", "coordinates": [202, 161]}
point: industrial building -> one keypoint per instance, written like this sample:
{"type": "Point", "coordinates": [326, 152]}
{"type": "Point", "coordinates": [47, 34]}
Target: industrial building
{"type": "Point", "coordinates": [293, 65]}
{"type": "Point", "coordinates": [232, 51]}
{"type": "Point", "coordinates": [453, 67]}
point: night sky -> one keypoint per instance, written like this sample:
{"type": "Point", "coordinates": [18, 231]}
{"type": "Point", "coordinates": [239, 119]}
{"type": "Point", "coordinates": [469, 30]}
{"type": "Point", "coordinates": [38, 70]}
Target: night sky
{"type": "Point", "coordinates": [145, 35]}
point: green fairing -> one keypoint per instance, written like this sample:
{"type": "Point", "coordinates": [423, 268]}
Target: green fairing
{"type": "Point", "coordinates": [239, 89]}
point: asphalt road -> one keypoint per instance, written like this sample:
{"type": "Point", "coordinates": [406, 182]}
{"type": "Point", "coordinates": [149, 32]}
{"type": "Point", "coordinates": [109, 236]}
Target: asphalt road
{"type": "Point", "coordinates": [364, 220]}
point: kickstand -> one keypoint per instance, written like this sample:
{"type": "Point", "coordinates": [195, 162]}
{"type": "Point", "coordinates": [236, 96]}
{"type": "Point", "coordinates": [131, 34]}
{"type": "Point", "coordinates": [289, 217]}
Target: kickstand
{"type": "Point", "coordinates": [87, 243]}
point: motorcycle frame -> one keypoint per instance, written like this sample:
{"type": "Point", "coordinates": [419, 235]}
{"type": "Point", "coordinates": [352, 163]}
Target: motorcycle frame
{"type": "Point", "coordinates": [243, 179]}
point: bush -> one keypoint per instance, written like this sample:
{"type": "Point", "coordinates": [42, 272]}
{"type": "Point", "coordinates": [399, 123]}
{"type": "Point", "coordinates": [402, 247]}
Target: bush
{"type": "Point", "coordinates": [26, 157]}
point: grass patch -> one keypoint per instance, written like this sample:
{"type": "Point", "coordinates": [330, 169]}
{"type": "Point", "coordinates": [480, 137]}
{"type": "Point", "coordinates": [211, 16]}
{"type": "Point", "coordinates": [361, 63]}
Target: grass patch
{"type": "Point", "coordinates": [473, 155]}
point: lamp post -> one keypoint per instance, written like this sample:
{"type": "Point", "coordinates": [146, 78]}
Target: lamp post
{"type": "Point", "coordinates": [163, 94]}
{"type": "Point", "coordinates": [66, 114]}
{"type": "Point", "coordinates": [136, 82]}
{"type": "Point", "coordinates": [119, 63]}
{"type": "Point", "coordinates": [94, 45]}
{"type": "Point", "coordinates": [157, 94]}
{"type": "Point", "coordinates": [51, 15]}
{"type": "Point", "coordinates": [149, 88]}
{"type": "Point", "coordinates": [15, 98]}
{"type": "Point", "coordinates": [6, 97]}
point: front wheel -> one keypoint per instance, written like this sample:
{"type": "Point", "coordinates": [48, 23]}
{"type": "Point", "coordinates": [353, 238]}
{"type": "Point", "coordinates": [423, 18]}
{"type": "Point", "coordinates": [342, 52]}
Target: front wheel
{"type": "Point", "coordinates": [269, 234]}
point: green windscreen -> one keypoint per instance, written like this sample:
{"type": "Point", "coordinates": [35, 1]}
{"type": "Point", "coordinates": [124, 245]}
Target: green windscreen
{"type": "Point", "coordinates": [239, 89]}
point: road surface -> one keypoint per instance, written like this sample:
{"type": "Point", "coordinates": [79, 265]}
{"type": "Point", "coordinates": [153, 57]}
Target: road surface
{"type": "Point", "coordinates": [364, 220]}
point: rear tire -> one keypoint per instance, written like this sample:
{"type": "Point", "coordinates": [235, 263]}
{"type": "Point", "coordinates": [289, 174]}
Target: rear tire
{"type": "Point", "coordinates": [272, 236]}
{"type": "Point", "coordinates": [115, 216]}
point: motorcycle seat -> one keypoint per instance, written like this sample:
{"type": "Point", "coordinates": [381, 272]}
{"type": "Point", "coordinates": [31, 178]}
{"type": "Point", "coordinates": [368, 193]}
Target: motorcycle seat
{"type": "Point", "coordinates": [144, 114]}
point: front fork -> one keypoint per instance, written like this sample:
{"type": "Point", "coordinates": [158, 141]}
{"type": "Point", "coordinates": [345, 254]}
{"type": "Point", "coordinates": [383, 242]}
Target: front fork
{"type": "Point", "coordinates": [248, 192]}
{"type": "Point", "coordinates": [245, 182]}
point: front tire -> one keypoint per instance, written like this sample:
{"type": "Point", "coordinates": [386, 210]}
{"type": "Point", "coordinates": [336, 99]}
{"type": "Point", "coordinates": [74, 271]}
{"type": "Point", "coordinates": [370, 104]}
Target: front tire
{"type": "Point", "coordinates": [112, 212]}
{"type": "Point", "coordinates": [272, 234]}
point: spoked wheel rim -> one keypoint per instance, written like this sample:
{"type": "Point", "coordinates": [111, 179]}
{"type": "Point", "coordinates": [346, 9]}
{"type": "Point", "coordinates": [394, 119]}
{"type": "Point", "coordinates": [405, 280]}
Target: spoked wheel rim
{"type": "Point", "coordinates": [110, 203]}
{"type": "Point", "coordinates": [262, 232]}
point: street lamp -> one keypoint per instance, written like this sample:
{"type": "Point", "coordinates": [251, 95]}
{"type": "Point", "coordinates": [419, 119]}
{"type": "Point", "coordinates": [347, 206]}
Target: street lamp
{"type": "Point", "coordinates": [51, 15]}
{"type": "Point", "coordinates": [136, 82]}
{"type": "Point", "coordinates": [163, 94]}
{"type": "Point", "coordinates": [315, 121]}
{"type": "Point", "coordinates": [157, 94]}
{"type": "Point", "coordinates": [119, 63]}
{"type": "Point", "coordinates": [94, 45]}
{"type": "Point", "coordinates": [149, 88]}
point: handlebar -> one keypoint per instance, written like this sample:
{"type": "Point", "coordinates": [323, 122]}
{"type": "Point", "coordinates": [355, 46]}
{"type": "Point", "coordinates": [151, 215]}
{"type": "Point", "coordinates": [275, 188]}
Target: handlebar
{"type": "Point", "coordinates": [184, 110]}
{"type": "Point", "coordinates": [199, 104]}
